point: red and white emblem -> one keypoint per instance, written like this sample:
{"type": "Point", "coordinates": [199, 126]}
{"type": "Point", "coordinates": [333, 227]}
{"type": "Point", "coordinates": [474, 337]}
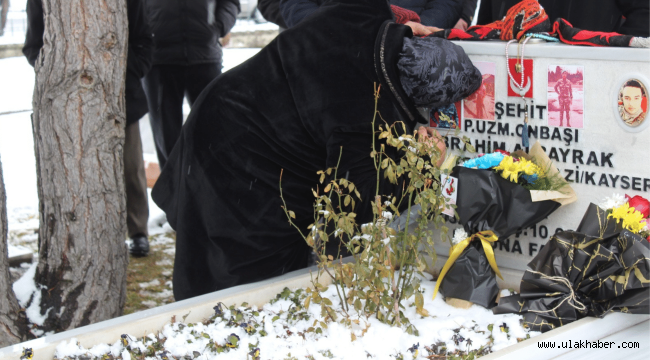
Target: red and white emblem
{"type": "Point", "coordinates": [515, 82]}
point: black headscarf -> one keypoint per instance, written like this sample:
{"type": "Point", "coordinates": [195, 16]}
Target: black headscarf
{"type": "Point", "coordinates": [431, 73]}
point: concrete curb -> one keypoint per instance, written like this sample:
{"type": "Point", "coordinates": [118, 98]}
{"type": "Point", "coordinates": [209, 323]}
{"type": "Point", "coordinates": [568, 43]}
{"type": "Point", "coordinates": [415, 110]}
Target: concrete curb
{"type": "Point", "coordinates": [11, 50]}
{"type": "Point", "coordinates": [252, 39]}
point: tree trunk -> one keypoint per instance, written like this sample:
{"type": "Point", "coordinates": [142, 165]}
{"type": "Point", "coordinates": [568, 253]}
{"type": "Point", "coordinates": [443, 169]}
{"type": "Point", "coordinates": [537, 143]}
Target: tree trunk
{"type": "Point", "coordinates": [79, 120]}
{"type": "Point", "coordinates": [12, 320]}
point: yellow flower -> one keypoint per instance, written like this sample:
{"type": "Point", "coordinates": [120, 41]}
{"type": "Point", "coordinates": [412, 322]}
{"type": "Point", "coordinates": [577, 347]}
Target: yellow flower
{"type": "Point", "coordinates": [508, 169]}
{"type": "Point", "coordinates": [631, 218]}
{"type": "Point", "coordinates": [511, 169]}
{"type": "Point", "coordinates": [528, 167]}
{"type": "Point", "coordinates": [633, 222]}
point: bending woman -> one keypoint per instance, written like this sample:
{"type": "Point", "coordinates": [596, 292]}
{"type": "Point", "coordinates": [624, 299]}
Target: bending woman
{"type": "Point", "coordinates": [291, 108]}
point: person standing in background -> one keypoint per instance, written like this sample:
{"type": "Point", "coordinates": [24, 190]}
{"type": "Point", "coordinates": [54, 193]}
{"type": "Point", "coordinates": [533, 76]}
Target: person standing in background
{"type": "Point", "coordinates": [270, 9]}
{"type": "Point", "coordinates": [466, 15]}
{"type": "Point", "coordinates": [4, 9]}
{"type": "Point", "coordinates": [442, 14]}
{"type": "Point", "coordinates": [187, 56]}
{"type": "Point", "coordinates": [138, 63]}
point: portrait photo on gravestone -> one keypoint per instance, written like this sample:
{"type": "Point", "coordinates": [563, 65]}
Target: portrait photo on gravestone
{"type": "Point", "coordinates": [633, 103]}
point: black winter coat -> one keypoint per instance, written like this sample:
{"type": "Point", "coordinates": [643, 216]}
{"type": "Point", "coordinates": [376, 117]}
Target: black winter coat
{"type": "Point", "coordinates": [291, 109]}
{"type": "Point", "coordinates": [441, 13]}
{"type": "Point", "coordinates": [468, 10]}
{"type": "Point", "coordinates": [270, 9]}
{"type": "Point", "coordinates": [629, 17]}
{"type": "Point", "coordinates": [138, 60]}
{"type": "Point", "coordinates": [187, 32]}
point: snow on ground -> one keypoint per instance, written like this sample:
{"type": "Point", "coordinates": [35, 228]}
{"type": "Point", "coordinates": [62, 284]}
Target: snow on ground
{"type": "Point", "coordinates": [250, 25]}
{"type": "Point", "coordinates": [17, 84]}
{"type": "Point", "coordinates": [24, 289]}
{"type": "Point", "coordinates": [285, 330]}
{"type": "Point", "coordinates": [17, 156]}
{"type": "Point", "coordinates": [18, 251]}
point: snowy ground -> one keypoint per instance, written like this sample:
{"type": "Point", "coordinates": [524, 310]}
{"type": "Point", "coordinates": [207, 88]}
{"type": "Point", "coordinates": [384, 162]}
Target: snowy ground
{"type": "Point", "coordinates": [285, 329]}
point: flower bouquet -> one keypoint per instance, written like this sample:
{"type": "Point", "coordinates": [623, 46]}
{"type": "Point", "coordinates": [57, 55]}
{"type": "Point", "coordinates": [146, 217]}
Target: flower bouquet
{"type": "Point", "coordinates": [616, 213]}
{"type": "Point", "coordinates": [600, 268]}
{"type": "Point", "coordinates": [497, 195]}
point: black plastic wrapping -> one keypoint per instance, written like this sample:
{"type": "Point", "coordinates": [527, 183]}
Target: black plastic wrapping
{"type": "Point", "coordinates": [596, 223]}
{"type": "Point", "coordinates": [486, 201]}
{"type": "Point", "coordinates": [471, 278]}
{"type": "Point", "coordinates": [606, 274]}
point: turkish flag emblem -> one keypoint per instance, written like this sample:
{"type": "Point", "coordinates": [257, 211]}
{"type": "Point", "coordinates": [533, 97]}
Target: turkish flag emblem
{"type": "Point", "coordinates": [527, 86]}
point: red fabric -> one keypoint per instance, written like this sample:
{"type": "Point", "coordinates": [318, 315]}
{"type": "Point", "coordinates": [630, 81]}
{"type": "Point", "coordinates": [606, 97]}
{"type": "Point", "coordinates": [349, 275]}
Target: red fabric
{"type": "Point", "coordinates": [525, 16]}
{"type": "Point", "coordinates": [528, 16]}
{"type": "Point", "coordinates": [473, 33]}
{"type": "Point", "coordinates": [483, 31]}
{"type": "Point", "coordinates": [457, 34]}
{"type": "Point", "coordinates": [531, 15]}
{"type": "Point", "coordinates": [586, 35]}
{"type": "Point", "coordinates": [402, 16]}
{"type": "Point", "coordinates": [574, 36]}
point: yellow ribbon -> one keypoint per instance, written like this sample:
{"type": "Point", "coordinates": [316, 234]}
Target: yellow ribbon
{"type": "Point", "coordinates": [486, 238]}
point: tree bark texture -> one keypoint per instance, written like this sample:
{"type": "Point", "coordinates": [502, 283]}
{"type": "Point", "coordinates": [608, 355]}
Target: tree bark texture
{"type": "Point", "coordinates": [79, 120]}
{"type": "Point", "coordinates": [12, 320]}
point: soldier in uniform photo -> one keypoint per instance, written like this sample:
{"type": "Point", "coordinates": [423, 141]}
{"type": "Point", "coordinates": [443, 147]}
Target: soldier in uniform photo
{"type": "Point", "coordinates": [632, 103]}
{"type": "Point", "coordinates": [565, 98]}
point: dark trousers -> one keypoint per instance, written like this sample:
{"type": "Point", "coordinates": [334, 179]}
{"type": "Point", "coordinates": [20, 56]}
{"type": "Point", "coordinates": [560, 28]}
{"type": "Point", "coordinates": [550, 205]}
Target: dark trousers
{"type": "Point", "coordinates": [135, 181]}
{"type": "Point", "coordinates": [166, 86]}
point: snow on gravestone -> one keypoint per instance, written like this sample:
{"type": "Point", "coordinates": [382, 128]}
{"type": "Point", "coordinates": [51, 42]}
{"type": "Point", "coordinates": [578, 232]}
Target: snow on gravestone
{"type": "Point", "coordinates": [601, 146]}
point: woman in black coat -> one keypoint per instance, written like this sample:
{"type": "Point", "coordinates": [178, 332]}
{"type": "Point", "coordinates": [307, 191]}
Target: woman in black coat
{"type": "Point", "coordinates": [290, 109]}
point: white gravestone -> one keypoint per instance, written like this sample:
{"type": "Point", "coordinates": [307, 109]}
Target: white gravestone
{"type": "Point", "coordinates": [599, 153]}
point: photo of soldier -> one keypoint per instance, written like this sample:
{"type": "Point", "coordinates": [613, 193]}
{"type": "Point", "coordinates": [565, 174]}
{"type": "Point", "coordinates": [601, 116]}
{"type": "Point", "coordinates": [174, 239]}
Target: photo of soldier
{"type": "Point", "coordinates": [480, 105]}
{"type": "Point", "coordinates": [565, 96]}
{"type": "Point", "coordinates": [633, 102]}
